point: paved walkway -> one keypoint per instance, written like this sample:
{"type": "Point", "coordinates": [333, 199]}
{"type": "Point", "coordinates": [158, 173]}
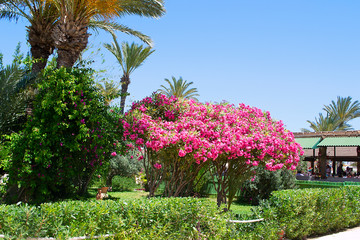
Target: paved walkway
{"type": "Point", "coordinates": [349, 234]}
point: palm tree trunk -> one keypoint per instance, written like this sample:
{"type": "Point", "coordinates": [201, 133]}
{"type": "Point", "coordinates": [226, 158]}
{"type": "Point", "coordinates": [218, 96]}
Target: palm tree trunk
{"type": "Point", "coordinates": [42, 47]}
{"type": "Point", "coordinates": [70, 38]}
{"type": "Point", "coordinates": [125, 81]}
{"type": "Point", "coordinates": [66, 58]}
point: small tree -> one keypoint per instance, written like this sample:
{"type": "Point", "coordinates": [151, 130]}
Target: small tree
{"type": "Point", "coordinates": [179, 136]}
{"type": "Point", "coordinates": [126, 165]}
{"type": "Point", "coordinates": [70, 134]}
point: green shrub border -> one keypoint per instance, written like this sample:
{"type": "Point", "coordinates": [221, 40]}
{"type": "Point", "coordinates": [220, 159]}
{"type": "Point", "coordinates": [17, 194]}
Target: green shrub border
{"type": "Point", "coordinates": [157, 218]}
{"type": "Point", "coordinates": [313, 211]}
{"type": "Point", "coordinates": [323, 184]}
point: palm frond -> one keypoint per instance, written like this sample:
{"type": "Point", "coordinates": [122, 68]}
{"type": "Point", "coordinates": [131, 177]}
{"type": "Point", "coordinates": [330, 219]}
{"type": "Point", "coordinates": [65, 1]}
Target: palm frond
{"type": "Point", "coordinates": [111, 27]}
{"type": "Point", "coordinates": [343, 109]}
{"type": "Point", "coordinates": [179, 88]}
{"type": "Point", "coordinates": [8, 13]}
{"type": "Point", "coordinates": [134, 55]}
{"type": "Point", "coordinates": [145, 8]}
{"type": "Point", "coordinates": [12, 102]}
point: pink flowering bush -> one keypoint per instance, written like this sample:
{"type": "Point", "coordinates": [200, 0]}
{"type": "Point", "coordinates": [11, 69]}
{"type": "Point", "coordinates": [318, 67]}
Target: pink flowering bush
{"type": "Point", "coordinates": [182, 135]}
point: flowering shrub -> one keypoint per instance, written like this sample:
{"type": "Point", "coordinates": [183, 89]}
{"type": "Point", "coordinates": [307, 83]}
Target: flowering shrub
{"type": "Point", "coordinates": [70, 134]}
{"type": "Point", "coordinates": [179, 136]}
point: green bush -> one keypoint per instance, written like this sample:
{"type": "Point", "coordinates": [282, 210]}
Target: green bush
{"type": "Point", "coordinates": [305, 212]}
{"type": "Point", "coordinates": [264, 183]}
{"type": "Point", "coordinates": [69, 136]}
{"type": "Point", "coordinates": [166, 218]}
{"type": "Point", "coordinates": [324, 184]}
{"type": "Point", "coordinates": [120, 183]}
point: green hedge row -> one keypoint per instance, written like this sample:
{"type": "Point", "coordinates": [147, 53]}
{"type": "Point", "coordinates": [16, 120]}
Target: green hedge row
{"type": "Point", "coordinates": [298, 213]}
{"type": "Point", "coordinates": [323, 184]}
{"type": "Point", "coordinates": [159, 218]}
{"type": "Point", "coordinates": [142, 219]}
{"type": "Point", "coordinates": [304, 212]}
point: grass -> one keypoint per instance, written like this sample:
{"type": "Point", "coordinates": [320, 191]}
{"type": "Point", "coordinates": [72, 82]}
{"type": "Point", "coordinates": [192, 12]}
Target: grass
{"type": "Point", "coordinates": [236, 208]}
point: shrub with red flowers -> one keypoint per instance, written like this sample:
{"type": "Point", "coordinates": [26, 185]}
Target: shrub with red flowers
{"type": "Point", "coordinates": [180, 136]}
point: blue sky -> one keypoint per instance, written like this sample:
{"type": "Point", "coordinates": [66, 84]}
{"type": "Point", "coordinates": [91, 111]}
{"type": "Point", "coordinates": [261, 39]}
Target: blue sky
{"type": "Point", "coordinates": [289, 57]}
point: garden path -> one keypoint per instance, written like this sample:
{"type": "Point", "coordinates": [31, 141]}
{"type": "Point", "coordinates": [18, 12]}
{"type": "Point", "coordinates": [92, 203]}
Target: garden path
{"type": "Point", "coordinates": [349, 234]}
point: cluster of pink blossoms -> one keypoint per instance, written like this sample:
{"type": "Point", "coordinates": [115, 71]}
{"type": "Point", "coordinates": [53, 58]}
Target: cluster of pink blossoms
{"type": "Point", "coordinates": [211, 131]}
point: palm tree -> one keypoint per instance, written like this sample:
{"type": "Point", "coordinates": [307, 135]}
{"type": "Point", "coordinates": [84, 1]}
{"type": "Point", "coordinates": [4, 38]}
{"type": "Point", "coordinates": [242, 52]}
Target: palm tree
{"type": "Point", "coordinates": [42, 17]}
{"type": "Point", "coordinates": [343, 110]}
{"type": "Point", "coordinates": [179, 88]}
{"type": "Point", "coordinates": [63, 24]}
{"type": "Point", "coordinates": [338, 114]}
{"type": "Point", "coordinates": [130, 57]}
{"type": "Point", "coordinates": [71, 33]}
{"type": "Point", "coordinates": [12, 102]}
{"type": "Point", "coordinates": [326, 123]}
{"type": "Point", "coordinates": [109, 90]}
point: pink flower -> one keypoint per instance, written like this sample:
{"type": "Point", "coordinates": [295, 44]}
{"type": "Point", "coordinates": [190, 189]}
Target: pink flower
{"type": "Point", "coordinates": [82, 121]}
{"type": "Point", "coordinates": [182, 153]}
{"type": "Point", "coordinates": [113, 154]}
{"type": "Point", "coordinates": [157, 166]}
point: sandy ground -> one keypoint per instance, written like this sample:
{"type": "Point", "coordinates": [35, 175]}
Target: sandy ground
{"type": "Point", "coordinates": [349, 234]}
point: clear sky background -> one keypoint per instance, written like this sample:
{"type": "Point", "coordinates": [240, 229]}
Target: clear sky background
{"type": "Point", "coordinates": [289, 57]}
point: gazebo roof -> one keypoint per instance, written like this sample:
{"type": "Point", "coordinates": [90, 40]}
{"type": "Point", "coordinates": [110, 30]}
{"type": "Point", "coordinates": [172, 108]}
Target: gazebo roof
{"type": "Point", "coordinates": [340, 142]}
{"type": "Point", "coordinates": [308, 143]}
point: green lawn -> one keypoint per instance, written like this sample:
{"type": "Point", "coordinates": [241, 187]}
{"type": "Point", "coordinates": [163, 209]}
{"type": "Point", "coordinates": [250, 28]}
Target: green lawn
{"type": "Point", "coordinates": [236, 208]}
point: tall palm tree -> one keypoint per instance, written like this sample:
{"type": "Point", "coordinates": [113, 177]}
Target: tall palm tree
{"type": "Point", "coordinates": [42, 17]}
{"type": "Point", "coordinates": [71, 33]}
{"type": "Point", "coordinates": [130, 57]}
{"type": "Point", "coordinates": [109, 90]}
{"type": "Point", "coordinates": [179, 88]}
{"type": "Point", "coordinates": [343, 109]}
{"type": "Point", "coordinates": [64, 24]}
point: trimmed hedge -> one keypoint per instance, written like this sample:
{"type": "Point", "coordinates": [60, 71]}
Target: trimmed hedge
{"type": "Point", "coordinates": [166, 218]}
{"type": "Point", "coordinates": [304, 212]}
{"type": "Point", "coordinates": [298, 213]}
{"type": "Point", "coordinates": [156, 218]}
{"type": "Point", "coordinates": [324, 184]}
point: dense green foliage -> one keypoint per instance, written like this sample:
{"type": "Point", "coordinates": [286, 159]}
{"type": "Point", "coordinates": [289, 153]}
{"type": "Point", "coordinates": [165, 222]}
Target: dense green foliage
{"type": "Point", "coordinates": [305, 212]}
{"type": "Point", "coordinates": [324, 184]}
{"type": "Point", "coordinates": [70, 135]}
{"type": "Point", "coordinates": [13, 96]}
{"type": "Point", "coordinates": [264, 183]}
{"type": "Point", "coordinates": [168, 218]}
{"type": "Point", "coordinates": [125, 165]}
{"type": "Point", "coordinates": [296, 213]}
{"type": "Point", "coordinates": [120, 183]}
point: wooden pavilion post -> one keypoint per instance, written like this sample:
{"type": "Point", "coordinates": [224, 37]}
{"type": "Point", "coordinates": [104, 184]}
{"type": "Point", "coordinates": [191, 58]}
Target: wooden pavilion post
{"type": "Point", "coordinates": [334, 162]}
{"type": "Point", "coordinates": [358, 162]}
{"type": "Point", "coordinates": [322, 162]}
